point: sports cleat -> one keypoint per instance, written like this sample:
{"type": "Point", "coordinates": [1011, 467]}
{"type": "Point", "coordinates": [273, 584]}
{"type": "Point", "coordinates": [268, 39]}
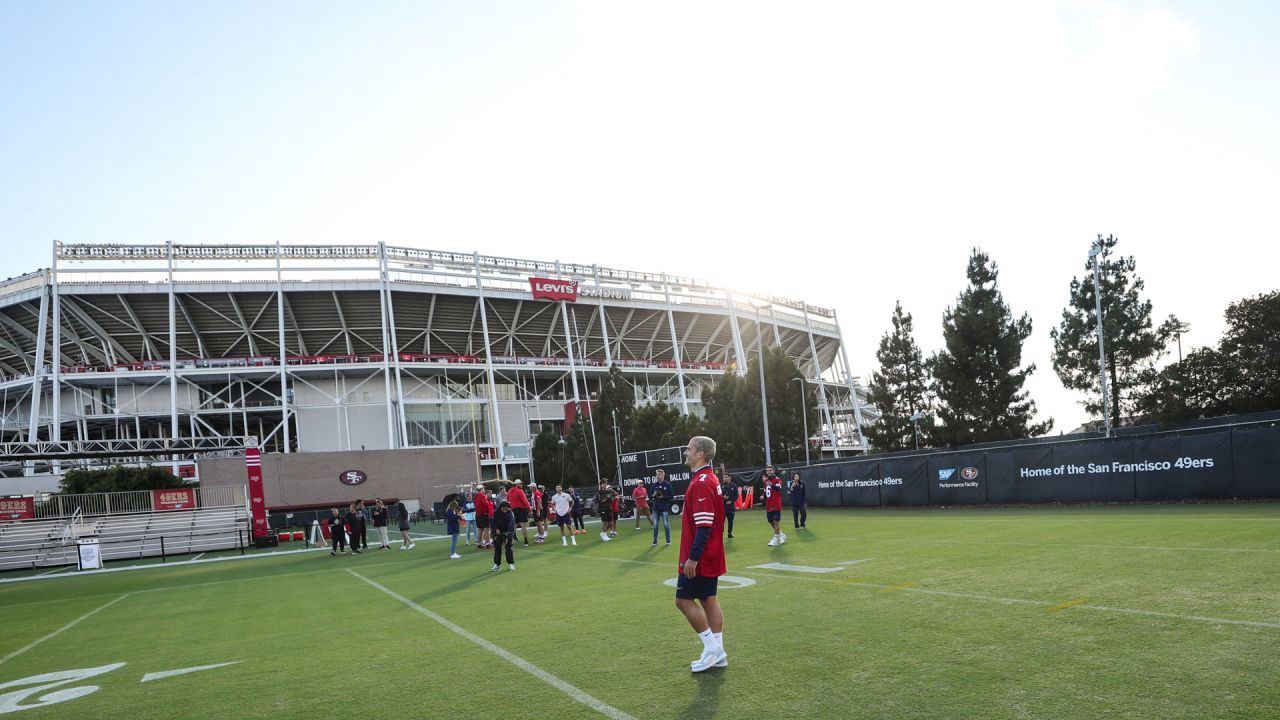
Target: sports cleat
{"type": "Point", "coordinates": [454, 556]}
{"type": "Point", "coordinates": [708, 660]}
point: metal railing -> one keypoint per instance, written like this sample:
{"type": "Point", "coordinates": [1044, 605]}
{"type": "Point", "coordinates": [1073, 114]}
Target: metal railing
{"type": "Point", "coordinates": [88, 505]}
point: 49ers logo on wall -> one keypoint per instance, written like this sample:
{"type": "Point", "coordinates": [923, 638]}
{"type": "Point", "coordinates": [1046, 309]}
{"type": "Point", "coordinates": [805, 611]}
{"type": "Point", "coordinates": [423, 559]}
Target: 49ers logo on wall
{"type": "Point", "coordinates": [548, 289]}
{"type": "Point", "coordinates": [352, 477]}
{"type": "Point", "coordinates": [969, 473]}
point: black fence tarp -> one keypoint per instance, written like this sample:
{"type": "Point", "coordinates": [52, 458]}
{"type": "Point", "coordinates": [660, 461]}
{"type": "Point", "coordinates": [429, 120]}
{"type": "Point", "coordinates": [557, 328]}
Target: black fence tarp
{"type": "Point", "coordinates": [1231, 461]}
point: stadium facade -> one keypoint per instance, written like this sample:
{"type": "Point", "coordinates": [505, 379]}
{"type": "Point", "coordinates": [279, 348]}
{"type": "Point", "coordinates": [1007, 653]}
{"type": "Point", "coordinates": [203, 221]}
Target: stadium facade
{"type": "Point", "coordinates": [348, 347]}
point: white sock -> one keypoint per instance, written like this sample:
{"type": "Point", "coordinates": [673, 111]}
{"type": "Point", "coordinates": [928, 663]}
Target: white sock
{"type": "Point", "coordinates": [719, 640]}
{"type": "Point", "coordinates": [708, 640]}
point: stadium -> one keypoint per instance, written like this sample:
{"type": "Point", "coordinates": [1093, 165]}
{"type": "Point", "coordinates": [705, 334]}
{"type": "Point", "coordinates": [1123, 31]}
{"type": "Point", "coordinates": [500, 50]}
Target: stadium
{"type": "Point", "coordinates": [313, 348]}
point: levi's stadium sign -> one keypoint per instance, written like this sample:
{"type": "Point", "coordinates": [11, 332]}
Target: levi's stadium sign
{"type": "Point", "coordinates": [548, 289]}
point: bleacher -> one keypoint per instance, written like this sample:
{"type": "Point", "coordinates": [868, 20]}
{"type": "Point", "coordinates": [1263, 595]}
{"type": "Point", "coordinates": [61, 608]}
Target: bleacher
{"type": "Point", "coordinates": [49, 543]}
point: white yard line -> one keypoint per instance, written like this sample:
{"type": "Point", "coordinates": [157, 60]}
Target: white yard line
{"type": "Point", "coordinates": [555, 682]}
{"type": "Point", "coordinates": [197, 557]}
{"type": "Point", "coordinates": [63, 629]}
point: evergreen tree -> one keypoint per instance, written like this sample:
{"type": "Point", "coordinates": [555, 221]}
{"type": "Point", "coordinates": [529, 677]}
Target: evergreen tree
{"type": "Point", "coordinates": [1188, 390]}
{"type": "Point", "coordinates": [899, 389]}
{"type": "Point", "coordinates": [652, 426]}
{"type": "Point", "coordinates": [978, 377]}
{"type": "Point", "coordinates": [1131, 344]}
{"type": "Point", "coordinates": [733, 419]}
{"type": "Point", "coordinates": [616, 400]}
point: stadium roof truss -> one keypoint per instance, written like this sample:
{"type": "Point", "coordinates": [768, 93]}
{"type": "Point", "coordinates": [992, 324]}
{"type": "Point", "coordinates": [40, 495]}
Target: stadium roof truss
{"type": "Point", "coordinates": [243, 338]}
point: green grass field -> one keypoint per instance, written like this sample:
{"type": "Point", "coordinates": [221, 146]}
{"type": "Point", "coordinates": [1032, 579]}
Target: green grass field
{"type": "Point", "coordinates": [1080, 612]}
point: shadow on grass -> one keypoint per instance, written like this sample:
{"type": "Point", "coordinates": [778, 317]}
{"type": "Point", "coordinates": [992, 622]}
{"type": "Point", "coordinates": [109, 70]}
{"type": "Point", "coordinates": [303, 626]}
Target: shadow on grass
{"type": "Point", "coordinates": [458, 586]}
{"type": "Point", "coordinates": [707, 701]}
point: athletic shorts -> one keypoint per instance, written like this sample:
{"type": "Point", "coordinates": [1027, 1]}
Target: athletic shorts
{"type": "Point", "coordinates": [482, 522]}
{"type": "Point", "coordinates": [642, 508]}
{"type": "Point", "coordinates": [563, 520]}
{"type": "Point", "coordinates": [542, 514]}
{"type": "Point", "coordinates": [698, 588]}
{"type": "Point", "coordinates": [606, 514]}
{"type": "Point", "coordinates": [773, 516]}
{"type": "Point", "coordinates": [522, 514]}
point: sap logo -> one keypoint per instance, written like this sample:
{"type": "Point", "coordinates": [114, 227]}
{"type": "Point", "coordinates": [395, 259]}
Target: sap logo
{"type": "Point", "coordinates": [352, 477]}
{"type": "Point", "coordinates": [946, 473]}
{"type": "Point", "coordinates": [969, 473]}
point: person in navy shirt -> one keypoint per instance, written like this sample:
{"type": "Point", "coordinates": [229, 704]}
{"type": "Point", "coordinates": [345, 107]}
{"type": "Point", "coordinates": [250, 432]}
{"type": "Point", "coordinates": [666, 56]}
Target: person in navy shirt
{"type": "Point", "coordinates": [730, 492]}
{"type": "Point", "coordinates": [452, 527]}
{"type": "Point", "coordinates": [661, 495]}
{"type": "Point", "coordinates": [799, 510]}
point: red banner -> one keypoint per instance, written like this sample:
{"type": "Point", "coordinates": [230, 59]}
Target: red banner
{"type": "Point", "coordinates": [21, 508]}
{"type": "Point", "coordinates": [548, 289]}
{"type": "Point", "coordinates": [178, 499]}
{"type": "Point", "coordinates": [257, 501]}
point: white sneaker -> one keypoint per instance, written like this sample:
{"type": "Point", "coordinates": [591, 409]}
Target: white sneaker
{"type": "Point", "coordinates": [708, 660]}
{"type": "Point", "coordinates": [564, 542]}
{"type": "Point", "coordinates": [402, 547]}
{"type": "Point", "coordinates": [511, 566]}
{"type": "Point", "coordinates": [774, 541]}
{"type": "Point", "coordinates": [412, 546]}
{"type": "Point", "coordinates": [454, 556]}
{"type": "Point", "coordinates": [493, 569]}
{"type": "Point", "coordinates": [782, 538]}
{"type": "Point", "coordinates": [604, 536]}
{"type": "Point", "coordinates": [722, 663]}
{"type": "Point", "coordinates": [575, 542]}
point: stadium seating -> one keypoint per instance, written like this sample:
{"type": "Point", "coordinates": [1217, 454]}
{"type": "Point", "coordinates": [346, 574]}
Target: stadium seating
{"type": "Point", "coordinates": [48, 543]}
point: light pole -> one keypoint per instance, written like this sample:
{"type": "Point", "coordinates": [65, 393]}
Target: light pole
{"type": "Point", "coordinates": [1094, 252]}
{"type": "Point", "coordinates": [764, 400]}
{"type": "Point", "coordinates": [915, 423]}
{"type": "Point", "coordinates": [562, 462]}
{"type": "Point", "coordinates": [804, 415]}
{"type": "Point", "coordinates": [617, 446]}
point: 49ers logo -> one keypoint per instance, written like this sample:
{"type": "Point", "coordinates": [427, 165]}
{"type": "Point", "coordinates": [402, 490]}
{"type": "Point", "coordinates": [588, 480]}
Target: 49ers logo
{"type": "Point", "coordinates": [548, 289]}
{"type": "Point", "coordinates": [352, 477]}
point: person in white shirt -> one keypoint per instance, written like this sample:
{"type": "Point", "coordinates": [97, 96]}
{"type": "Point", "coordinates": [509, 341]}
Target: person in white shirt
{"type": "Point", "coordinates": [562, 502]}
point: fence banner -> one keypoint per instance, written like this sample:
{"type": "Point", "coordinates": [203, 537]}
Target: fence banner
{"type": "Point", "coordinates": [1257, 461]}
{"type": "Point", "coordinates": [257, 500]}
{"type": "Point", "coordinates": [17, 508]}
{"type": "Point", "coordinates": [958, 479]}
{"type": "Point", "coordinates": [176, 499]}
{"type": "Point", "coordinates": [861, 484]}
{"type": "Point", "coordinates": [822, 485]}
{"type": "Point", "coordinates": [1174, 467]}
{"type": "Point", "coordinates": [904, 482]}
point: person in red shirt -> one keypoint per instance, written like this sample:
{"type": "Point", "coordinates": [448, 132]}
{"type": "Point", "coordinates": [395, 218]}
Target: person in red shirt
{"type": "Point", "coordinates": [641, 497]}
{"type": "Point", "coordinates": [540, 512]}
{"type": "Point", "coordinates": [702, 559]}
{"type": "Point", "coordinates": [520, 507]}
{"type": "Point", "coordinates": [484, 511]}
{"type": "Point", "coordinates": [773, 505]}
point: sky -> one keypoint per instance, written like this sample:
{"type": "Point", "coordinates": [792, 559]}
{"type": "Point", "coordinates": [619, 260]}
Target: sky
{"type": "Point", "coordinates": [847, 154]}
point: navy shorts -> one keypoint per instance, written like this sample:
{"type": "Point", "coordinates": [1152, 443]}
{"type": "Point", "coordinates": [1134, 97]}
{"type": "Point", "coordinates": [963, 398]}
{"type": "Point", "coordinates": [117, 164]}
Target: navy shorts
{"type": "Point", "coordinates": [773, 516]}
{"type": "Point", "coordinates": [698, 588]}
{"type": "Point", "coordinates": [482, 522]}
{"type": "Point", "coordinates": [563, 520]}
{"type": "Point", "coordinates": [606, 514]}
{"type": "Point", "coordinates": [522, 514]}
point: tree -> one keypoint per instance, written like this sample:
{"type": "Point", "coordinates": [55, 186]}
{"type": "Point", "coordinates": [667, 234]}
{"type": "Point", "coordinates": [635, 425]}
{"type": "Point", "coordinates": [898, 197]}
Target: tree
{"type": "Point", "coordinates": [120, 478]}
{"type": "Point", "coordinates": [652, 426]}
{"type": "Point", "coordinates": [1251, 347]}
{"type": "Point", "coordinates": [978, 377]}
{"type": "Point", "coordinates": [733, 412]}
{"type": "Point", "coordinates": [1188, 390]}
{"type": "Point", "coordinates": [899, 389]}
{"type": "Point", "coordinates": [1241, 376]}
{"type": "Point", "coordinates": [733, 419]}
{"type": "Point", "coordinates": [1131, 345]}
{"type": "Point", "coordinates": [617, 399]}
